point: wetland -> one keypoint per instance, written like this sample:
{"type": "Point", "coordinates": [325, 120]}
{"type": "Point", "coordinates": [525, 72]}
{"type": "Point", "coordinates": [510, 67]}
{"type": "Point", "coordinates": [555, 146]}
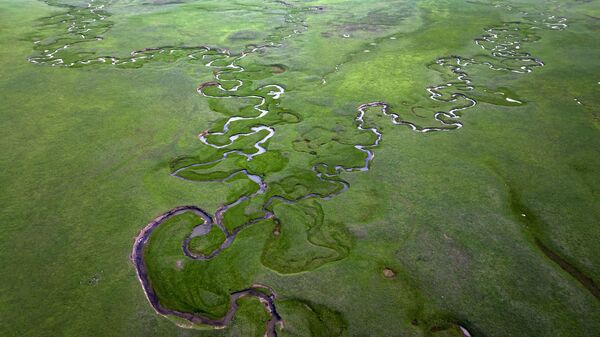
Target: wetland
{"type": "Point", "coordinates": [300, 168]}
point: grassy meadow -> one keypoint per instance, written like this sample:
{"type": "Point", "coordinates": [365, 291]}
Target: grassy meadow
{"type": "Point", "coordinates": [492, 227]}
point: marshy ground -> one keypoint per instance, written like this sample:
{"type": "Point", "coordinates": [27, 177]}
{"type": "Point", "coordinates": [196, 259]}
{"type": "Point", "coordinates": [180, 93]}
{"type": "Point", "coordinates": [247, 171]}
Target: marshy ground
{"type": "Point", "coordinates": [293, 168]}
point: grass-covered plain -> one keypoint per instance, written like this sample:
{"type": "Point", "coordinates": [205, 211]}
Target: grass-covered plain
{"type": "Point", "coordinates": [492, 226]}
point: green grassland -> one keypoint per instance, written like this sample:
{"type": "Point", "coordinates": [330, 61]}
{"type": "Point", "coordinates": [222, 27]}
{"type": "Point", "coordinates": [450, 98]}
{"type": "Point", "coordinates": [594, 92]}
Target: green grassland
{"type": "Point", "coordinates": [491, 226]}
